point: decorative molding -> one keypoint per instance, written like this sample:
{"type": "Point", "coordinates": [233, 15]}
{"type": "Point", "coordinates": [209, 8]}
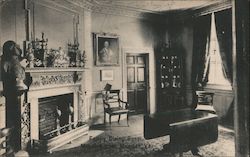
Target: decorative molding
{"type": "Point", "coordinates": [87, 4]}
{"type": "Point", "coordinates": [53, 69]}
{"type": "Point", "coordinates": [60, 5]}
{"type": "Point", "coordinates": [212, 8]}
{"type": "Point", "coordinates": [137, 49]}
{"type": "Point", "coordinates": [93, 6]}
{"type": "Point", "coordinates": [53, 78]}
{"type": "Point", "coordinates": [25, 125]}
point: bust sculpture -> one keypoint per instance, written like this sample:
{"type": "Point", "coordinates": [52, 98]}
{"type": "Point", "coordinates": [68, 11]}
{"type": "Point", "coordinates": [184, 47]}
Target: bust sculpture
{"type": "Point", "coordinates": [12, 69]}
{"type": "Point", "coordinates": [13, 75]}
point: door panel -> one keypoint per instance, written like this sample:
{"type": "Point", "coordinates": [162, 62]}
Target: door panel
{"type": "Point", "coordinates": [131, 74]}
{"type": "Point", "coordinates": [131, 100]}
{"type": "Point", "coordinates": [137, 82]}
{"type": "Point", "coordinates": [141, 101]}
{"type": "Point", "coordinates": [141, 74]}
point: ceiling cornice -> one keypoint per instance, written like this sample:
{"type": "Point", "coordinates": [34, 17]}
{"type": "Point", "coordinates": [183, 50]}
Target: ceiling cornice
{"type": "Point", "coordinates": [226, 4]}
{"type": "Point", "coordinates": [79, 6]}
{"type": "Point", "coordinates": [96, 7]}
{"type": "Point", "coordinates": [60, 5]}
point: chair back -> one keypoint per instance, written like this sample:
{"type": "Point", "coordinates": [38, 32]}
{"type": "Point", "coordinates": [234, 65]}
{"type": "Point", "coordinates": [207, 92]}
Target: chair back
{"type": "Point", "coordinates": [111, 97]}
{"type": "Point", "coordinates": [205, 98]}
{"type": "Point", "coordinates": [205, 101]}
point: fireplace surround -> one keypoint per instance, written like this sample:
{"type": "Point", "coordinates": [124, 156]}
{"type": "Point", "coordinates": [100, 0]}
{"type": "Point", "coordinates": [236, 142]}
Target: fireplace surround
{"type": "Point", "coordinates": [56, 108]}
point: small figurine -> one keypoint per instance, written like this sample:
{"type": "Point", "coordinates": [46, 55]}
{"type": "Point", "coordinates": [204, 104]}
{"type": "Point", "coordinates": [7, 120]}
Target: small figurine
{"type": "Point", "coordinates": [82, 58]}
{"type": "Point", "coordinates": [62, 59]}
{"type": "Point", "coordinates": [30, 56]}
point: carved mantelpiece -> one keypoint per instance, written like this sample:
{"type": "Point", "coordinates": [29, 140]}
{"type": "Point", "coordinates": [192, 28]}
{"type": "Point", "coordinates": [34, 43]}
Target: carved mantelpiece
{"type": "Point", "coordinates": [54, 77]}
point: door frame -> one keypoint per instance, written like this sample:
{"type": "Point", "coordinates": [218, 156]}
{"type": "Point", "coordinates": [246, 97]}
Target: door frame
{"type": "Point", "coordinates": [145, 52]}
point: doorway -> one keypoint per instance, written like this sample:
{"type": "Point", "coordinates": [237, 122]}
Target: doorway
{"type": "Point", "coordinates": [137, 82]}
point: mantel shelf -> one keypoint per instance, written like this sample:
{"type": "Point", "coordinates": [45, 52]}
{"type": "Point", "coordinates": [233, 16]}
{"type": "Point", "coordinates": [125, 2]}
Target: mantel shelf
{"type": "Point", "coordinates": [53, 69]}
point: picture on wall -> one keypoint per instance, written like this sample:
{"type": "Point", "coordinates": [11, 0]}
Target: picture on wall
{"type": "Point", "coordinates": [106, 50]}
{"type": "Point", "coordinates": [107, 75]}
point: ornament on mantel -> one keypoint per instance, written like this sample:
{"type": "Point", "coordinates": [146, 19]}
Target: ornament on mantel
{"type": "Point", "coordinates": [38, 55]}
{"type": "Point", "coordinates": [30, 56]}
{"type": "Point", "coordinates": [62, 60]}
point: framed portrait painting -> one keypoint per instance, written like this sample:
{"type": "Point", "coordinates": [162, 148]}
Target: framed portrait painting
{"type": "Point", "coordinates": [106, 49]}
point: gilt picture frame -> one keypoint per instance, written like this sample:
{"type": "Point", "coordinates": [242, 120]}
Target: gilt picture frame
{"type": "Point", "coordinates": [107, 50]}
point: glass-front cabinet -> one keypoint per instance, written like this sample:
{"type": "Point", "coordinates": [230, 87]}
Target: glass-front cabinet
{"type": "Point", "coordinates": [170, 94]}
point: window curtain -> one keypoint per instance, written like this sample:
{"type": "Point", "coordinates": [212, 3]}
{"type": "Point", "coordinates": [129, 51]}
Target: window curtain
{"type": "Point", "coordinates": [223, 23]}
{"type": "Point", "coordinates": [200, 59]}
{"type": "Point", "coordinates": [201, 40]}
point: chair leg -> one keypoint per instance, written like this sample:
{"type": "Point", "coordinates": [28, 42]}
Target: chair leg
{"type": "Point", "coordinates": [119, 117]}
{"type": "Point", "coordinates": [104, 118]}
{"type": "Point", "coordinates": [110, 119]}
{"type": "Point", "coordinates": [127, 119]}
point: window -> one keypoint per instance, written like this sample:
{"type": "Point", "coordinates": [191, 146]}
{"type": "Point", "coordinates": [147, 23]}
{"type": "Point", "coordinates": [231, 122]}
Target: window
{"type": "Point", "coordinates": [216, 76]}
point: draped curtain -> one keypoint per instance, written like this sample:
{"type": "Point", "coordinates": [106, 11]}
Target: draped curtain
{"type": "Point", "coordinates": [200, 60]}
{"type": "Point", "coordinates": [223, 23]}
{"type": "Point", "coordinates": [200, 63]}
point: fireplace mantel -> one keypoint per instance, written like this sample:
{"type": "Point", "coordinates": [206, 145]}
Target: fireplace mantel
{"type": "Point", "coordinates": [53, 69]}
{"type": "Point", "coordinates": [43, 78]}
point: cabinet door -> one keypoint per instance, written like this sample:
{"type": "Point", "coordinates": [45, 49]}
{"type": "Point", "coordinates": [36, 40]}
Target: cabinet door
{"type": "Point", "coordinates": [169, 80]}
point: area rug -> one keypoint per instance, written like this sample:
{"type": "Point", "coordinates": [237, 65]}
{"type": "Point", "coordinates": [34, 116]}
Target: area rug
{"type": "Point", "coordinates": [107, 145]}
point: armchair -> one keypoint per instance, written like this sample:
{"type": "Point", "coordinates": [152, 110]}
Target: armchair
{"type": "Point", "coordinates": [113, 105]}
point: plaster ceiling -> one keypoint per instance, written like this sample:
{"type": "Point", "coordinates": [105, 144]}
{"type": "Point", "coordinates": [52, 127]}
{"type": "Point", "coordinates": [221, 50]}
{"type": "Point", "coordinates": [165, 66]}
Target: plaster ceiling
{"type": "Point", "coordinates": [156, 5]}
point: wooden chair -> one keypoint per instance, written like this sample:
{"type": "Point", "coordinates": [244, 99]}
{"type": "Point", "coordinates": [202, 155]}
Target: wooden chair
{"type": "Point", "coordinates": [113, 105]}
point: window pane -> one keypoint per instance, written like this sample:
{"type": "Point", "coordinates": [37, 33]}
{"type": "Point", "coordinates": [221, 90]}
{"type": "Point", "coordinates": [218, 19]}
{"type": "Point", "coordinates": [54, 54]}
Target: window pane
{"type": "Point", "coordinates": [215, 75]}
{"type": "Point", "coordinates": [130, 60]}
{"type": "Point", "coordinates": [140, 74]}
{"type": "Point", "coordinates": [131, 75]}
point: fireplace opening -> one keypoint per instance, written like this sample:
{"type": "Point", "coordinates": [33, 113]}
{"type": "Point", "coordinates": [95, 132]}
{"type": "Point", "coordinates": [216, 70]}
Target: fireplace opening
{"type": "Point", "coordinates": [55, 115]}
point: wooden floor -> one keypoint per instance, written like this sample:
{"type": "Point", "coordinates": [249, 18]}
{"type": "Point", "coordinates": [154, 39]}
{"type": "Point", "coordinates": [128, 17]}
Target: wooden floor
{"type": "Point", "coordinates": [224, 146]}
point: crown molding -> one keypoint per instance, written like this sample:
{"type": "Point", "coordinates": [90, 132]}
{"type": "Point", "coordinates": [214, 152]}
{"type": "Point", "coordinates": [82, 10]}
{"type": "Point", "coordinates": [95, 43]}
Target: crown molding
{"type": "Point", "coordinates": [226, 4]}
{"type": "Point", "coordinates": [137, 49]}
{"type": "Point", "coordinates": [79, 7]}
{"type": "Point", "coordinates": [93, 6]}
{"type": "Point", "coordinates": [60, 5]}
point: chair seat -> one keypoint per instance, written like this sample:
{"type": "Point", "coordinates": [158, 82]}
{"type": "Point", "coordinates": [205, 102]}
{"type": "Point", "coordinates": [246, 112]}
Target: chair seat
{"type": "Point", "coordinates": [208, 108]}
{"type": "Point", "coordinates": [117, 110]}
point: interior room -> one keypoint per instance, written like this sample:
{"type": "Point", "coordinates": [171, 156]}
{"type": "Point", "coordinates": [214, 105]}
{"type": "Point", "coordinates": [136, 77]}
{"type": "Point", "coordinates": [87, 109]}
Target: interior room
{"type": "Point", "coordinates": [123, 78]}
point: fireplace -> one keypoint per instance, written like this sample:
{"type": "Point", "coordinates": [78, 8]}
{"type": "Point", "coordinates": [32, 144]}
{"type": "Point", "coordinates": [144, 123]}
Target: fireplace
{"type": "Point", "coordinates": [49, 120]}
{"type": "Point", "coordinates": [57, 110]}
